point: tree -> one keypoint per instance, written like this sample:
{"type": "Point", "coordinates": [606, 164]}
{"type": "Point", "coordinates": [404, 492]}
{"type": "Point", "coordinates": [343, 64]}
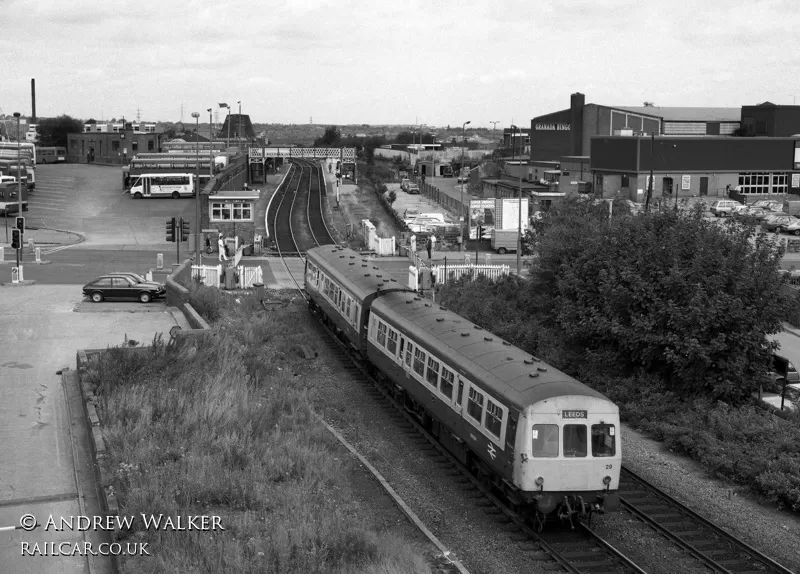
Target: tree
{"type": "Point", "coordinates": [667, 294]}
{"type": "Point", "coordinates": [331, 137]}
{"type": "Point", "coordinates": [391, 197]}
{"type": "Point", "coordinates": [54, 131]}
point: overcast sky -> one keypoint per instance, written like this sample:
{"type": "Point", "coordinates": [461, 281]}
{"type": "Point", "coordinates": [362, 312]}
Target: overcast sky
{"type": "Point", "coordinates": [434, 62]}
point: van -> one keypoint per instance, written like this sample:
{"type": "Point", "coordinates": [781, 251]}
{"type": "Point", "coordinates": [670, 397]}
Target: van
{"type": "Point", "coordinates": [504, 240]}
{"type": "Point", "coordinates": [723, 207]}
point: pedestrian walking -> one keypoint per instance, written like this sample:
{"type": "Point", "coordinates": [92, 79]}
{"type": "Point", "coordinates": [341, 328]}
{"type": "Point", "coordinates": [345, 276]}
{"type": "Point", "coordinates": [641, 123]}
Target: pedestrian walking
{"type": "Point", "coordinates": [221, 246]}
{"type": "Point", "coordinates": [433, 243]}
{"type": "Point", "coordinates": [429, 246]}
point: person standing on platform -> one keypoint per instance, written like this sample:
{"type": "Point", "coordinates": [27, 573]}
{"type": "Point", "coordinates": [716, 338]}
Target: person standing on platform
{"type": "Point", "coordinates": [433, 243]}
{"type": "Point", "coordinates": [429, 246]}
{"type": "Point", "coordinates": [221, 246]}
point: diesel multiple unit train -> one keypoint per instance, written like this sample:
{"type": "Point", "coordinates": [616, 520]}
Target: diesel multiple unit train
{"type": "Point", "coordinates": [549, 443]}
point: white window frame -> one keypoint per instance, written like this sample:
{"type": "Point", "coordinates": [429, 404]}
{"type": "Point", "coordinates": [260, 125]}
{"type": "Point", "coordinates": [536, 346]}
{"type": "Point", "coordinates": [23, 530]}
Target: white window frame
{"type": "Point", "coordinates": [223, 207]}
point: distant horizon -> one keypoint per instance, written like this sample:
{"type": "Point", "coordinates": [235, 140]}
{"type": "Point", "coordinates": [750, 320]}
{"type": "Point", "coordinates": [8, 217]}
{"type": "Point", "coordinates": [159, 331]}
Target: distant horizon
{"type": "Point", "coordinates": [343, 63]}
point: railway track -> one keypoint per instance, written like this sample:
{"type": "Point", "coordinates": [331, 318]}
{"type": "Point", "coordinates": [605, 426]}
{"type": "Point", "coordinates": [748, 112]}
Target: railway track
{"type": "Point", "coordinates": [296, 214]}
{"type": "Point", "coordinates": [706, 542]}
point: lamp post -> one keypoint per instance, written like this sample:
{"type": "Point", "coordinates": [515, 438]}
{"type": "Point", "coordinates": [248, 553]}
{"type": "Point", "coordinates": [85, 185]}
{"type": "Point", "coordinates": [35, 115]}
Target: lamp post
{"type": "Point", "coordinates": [197, 256]}
{"type": "Point", "coordinates": [650, 183]}
{"type": "Point", "coordinates": [239, 129]}
{"type": "Point", "coordinates": [494, 126]}
{"type": "Point", "coordinates": [463, 138]}
{"type": "Point", "coordinates": [519, 225]}
{"type": "Point", "coordinates": [19, 194]}
{"type": "Point", "coordinates": [228, 140]}
{"type": "Point", "coordinates": [210, 144]}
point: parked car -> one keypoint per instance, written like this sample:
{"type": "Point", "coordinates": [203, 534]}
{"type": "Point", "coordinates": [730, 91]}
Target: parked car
{"type": "Point", "coordinates": [777, 223]}
{"type": "Point", "coordinates": [410, 215]}
{"type": "Point", "coordinates": [769, 204]}
{"type": "Point", "coordinates": [757, 213]}
{"type": "Point", "coordinates": [116, 287]}
{"type": "Point", "coordinates": [723, 207]}
{"type": "Point", "coordinates": [413, 189]}
{"type": "Point", "coordinates": [793, 228]}
{"type": "Point", "coordinates": [404, 184]}
{"type": "Point", "coordinates": [138, 278]}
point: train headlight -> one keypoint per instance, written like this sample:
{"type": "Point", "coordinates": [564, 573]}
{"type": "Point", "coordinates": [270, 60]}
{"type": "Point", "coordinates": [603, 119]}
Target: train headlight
{"type": "Point", "coordinates": [540, 481]}
{"type": "Point", "coordinates": [607, 480]}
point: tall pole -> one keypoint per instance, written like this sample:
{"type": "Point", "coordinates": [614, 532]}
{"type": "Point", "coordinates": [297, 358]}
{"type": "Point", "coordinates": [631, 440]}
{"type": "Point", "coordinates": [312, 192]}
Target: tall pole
{"type": "Point", "coordinates": [650, 183]}
{"type": "Point", "coordinates": [197, 256]}
{"type": "Point", "coordinates": [239, 129]}
{"type": "Point", "coordinates": [210, 144]}
{"type": "Point", "coordinates": [228, 144]}
{"type": "Point", "coordinates": [519, 225]}
{"type": "Point", "coordinates": [461, 208]}
{"type": "Point", "coordinates": [19, 195]}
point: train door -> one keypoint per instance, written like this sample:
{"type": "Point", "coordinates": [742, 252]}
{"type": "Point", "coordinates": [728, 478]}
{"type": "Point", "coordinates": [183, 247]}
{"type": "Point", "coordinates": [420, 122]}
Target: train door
{"type": "Point", "coordinates": [402, 347]}
{"type": "Point", "coordinates": [461, 395]}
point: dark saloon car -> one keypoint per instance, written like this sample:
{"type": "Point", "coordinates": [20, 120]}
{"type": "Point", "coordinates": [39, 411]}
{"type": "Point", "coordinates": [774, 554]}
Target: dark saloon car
{"type": "Point", "coordinates": [122, 287]}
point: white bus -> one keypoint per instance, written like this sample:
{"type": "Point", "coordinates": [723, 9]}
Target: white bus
{"type": "Point", "coordinates": [173, 185]}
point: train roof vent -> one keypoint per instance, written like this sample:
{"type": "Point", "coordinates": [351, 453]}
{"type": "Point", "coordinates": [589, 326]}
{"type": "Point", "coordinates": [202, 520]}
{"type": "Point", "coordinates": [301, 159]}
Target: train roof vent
{"type": "Point", "coordinates": [533, 375]}
{"type": "Point", "coordinates": [506, 343]}
{"type": "Point", "coordinates": [440, 319]}
{"type": "Point", "coordinates": [427, 304]}
{"type": "Point", "coordinates": [465, 334]}
{"type": "Point", "coordinates": [375, 267]}
{"type": "Point", "coordinates": [352, 257]}
{"type": "Point", "coordinates": [366, 274]}
{"type": "Point", "coordinates": [543, 369]}
{"type": "Point", "coordinates": [535, 358]}
{"type": "Point", "coordinates": [393, 280]}
{"type": "Point", "coordinates": [378, 275]}
{"type": "Point", "coordinates": [487, 338]}
{"type": "Point", "coordinates": [442, 308]}
{"type": "Point", "coordinates": [417, 299]}
{"type": "Point", "coordinates": [509, 358]}
{"type": "Point", "coordinates": [409, 301]}
{"type": "Point", "coordinates": [478, 328]}
{"type": "Point", "coordinates": [528, 361]}
{"type": "Point", "coordinates": [341, 256]}
{"type": "Point", "coordinates": [351, 263]}
{"type": "Point", "coordinates": [363, 266]}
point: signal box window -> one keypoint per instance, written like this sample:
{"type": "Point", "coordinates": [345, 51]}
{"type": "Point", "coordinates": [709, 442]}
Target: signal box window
{"type": "Point", "coordinates": [494, 418]}
{"type": "Point", "coordinates": [419, 362]}
{"type": "Point", "coordinates": [574, 440]}
{"type": "Point", "coordinates": [475, 404]}
{"type": "Point", "coordinates": [432, 376]}
{"type": "Point", "coordinates": [545, 441]}
{"type": "Point", "coordinates": [603, 440]}
{"type": "Point", "coordinates": [447, 384]}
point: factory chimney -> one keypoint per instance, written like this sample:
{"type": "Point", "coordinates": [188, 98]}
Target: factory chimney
{"type": "Point", "coordinates": [33, 100]}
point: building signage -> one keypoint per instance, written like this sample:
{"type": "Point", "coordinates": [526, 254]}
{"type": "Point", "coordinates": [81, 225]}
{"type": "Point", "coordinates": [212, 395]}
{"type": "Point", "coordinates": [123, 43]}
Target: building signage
{"type": "Point", "coordinates": [553, 127]}
{"type": "Point", "coordinates": [686, 182]}
{"type": "Point", "coordinates": [796, 180]}
{"type": "Point", "coordinates": [574, 414]}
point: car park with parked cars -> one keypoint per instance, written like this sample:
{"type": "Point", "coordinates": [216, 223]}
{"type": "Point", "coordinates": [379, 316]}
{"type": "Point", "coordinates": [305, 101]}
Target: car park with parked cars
{"type": "Point", "coordinates": [792, 228]}
{"type": "Point", "coordinates": [122, 287]}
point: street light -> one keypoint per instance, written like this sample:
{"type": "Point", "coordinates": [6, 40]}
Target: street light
{"type": "Point", "coordinates": [463, 138]}
{"type": "Point", "coordinates": [239, 129]}
{"type": "Point", "coordinates": [197, 256]}
{"type": "Point", "coordinates": [519, 226]}
{"type": "Point", "coordinates": [210, 144]}
{"type": "Point", "coordinates": [228, 141]}
{"type": "Point", "coordinates": [494, 126]}
{"type": "Point", "coordinates": [19, 195]}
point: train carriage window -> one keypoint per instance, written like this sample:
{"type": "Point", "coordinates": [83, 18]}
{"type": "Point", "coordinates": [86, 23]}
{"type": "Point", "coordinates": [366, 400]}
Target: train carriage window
{"type": "Point", "coordinates": [447, 384]}
{"type": "Point", "coordinates": [402, 348]}
{"type": "Point", "coordinates": [494, 418]}
{"type": "Point", "coordinates": [574, 440]}
{"type": "Point", "coordinates": [603, 443]}
{"type": "Point", "coordinates": [475, 404]}
{"type": "Point", "coordinates": [545, 441]}
{"type": "Point", "coordinates": [349, 308]}
{"type": "Point", "coordinates": [432, 374]}
{"type": "Point", "coordinates": [391, 345]}
{"type": "Point", "coordinates": [419, 361]}
{"type": "Point", "coordinates": [382, 334]}
{"type": "Point", "coordinates": [409, 354]}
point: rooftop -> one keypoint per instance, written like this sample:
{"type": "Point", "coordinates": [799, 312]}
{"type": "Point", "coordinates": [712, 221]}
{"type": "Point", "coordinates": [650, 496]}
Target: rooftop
{"type": "Point", "coordinates": [687, 114]}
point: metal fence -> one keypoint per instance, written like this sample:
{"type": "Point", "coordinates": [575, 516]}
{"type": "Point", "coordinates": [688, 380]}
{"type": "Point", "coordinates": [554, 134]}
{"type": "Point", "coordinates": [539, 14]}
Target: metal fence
{"type": "Point", "coordinates": [447, 273]}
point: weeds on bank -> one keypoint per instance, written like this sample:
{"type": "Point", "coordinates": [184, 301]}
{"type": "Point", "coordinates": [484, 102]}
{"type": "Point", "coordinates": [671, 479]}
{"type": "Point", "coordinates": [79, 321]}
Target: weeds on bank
{"type": "Point", "coordinates": [224, 426]}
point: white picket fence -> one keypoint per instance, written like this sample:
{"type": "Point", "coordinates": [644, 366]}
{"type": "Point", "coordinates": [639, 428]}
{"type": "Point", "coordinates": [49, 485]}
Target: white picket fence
{"type": "Point", "coordinates": [212, 275]}
{"type": "Point", "coordinates": [382, 246]}
{"type": "Point", "coordinates": [446, 273]}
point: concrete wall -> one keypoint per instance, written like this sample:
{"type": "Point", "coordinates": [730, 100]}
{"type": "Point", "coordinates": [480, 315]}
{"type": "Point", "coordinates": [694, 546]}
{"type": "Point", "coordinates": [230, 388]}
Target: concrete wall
{"type": "Point", "coordinates": [177, 294]}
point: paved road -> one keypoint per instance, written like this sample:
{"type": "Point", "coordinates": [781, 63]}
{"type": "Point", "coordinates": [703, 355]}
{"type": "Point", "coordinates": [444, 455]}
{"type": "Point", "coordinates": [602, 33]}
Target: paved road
{"type": "Point", "coordinates": [89, 199]}
{"type": "Point", "coordinates": [39, 335]}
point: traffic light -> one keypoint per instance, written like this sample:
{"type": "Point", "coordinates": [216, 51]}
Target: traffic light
{"type": "Point", "coordinates": [20, 224]}
{"type": "Point", "coordinates": [16, 239]}
{"type": "Point", "coordinates": [171, 230]}
{"type": "Point", "coordinates": [184, 230]}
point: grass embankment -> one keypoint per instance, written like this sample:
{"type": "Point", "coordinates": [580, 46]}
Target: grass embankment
{"type": "Point", "coordinates": [744, 444]}
{"type": "Point", "coordinates": [224, 426]}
